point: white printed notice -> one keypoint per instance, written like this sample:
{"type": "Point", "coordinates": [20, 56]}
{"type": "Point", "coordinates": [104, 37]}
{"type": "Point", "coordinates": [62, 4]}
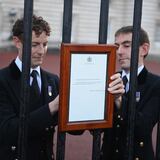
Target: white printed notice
{"type": "Point", "coordinates": [87, 87]}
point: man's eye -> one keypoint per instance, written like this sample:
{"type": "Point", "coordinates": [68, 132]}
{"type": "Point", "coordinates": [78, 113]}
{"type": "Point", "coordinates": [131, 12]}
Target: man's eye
{"type": "Point", "coordinates": [45, 44]}
{"type": "Point", "coordinates": [117, 46]}
{"type": "Point", "coordinates": [127, 46]}
{"type": "Point", "coordinates": [34, 45]}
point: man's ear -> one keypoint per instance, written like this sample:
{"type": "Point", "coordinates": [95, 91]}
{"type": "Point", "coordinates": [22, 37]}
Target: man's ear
{"type": "Point", "coordinates": [17, 42]}
{"type": "Point", "coordinates": [144, 49]}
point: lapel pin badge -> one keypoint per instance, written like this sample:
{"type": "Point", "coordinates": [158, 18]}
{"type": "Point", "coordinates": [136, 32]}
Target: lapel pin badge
{"type": "Point", "coordinates": [50, 90]}
{"type": "Point", "coordinates": [138, 96]}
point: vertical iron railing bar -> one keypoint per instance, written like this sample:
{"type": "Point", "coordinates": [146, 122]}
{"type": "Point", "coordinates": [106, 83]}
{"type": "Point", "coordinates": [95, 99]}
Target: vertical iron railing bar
{"type": "Point", "coordinates": [24, 99]}
{"type": "Point", "coordinates": [61, 138]}
{"type": "Point", "coordinates": [133, 77]}
{"type": "Point", "coordinates": [67, 21]}
{"type": "Point", "coordinates": [103, 28]}
{"type": "Point", "coordinates": [103, 23]}
{"type": "Point", "coordinates": [66, 38]}
{"type": "Point", "coordinates": [96, 144]}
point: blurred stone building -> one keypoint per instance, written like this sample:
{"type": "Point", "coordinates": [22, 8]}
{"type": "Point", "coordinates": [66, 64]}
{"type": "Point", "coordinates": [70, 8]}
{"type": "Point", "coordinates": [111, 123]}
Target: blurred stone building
{"type": "Point", "coordinates": [85, 25]}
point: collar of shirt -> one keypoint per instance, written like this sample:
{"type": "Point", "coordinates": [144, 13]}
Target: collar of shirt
{"type": "Point", "coordinates": [140, 68]}
{"type": "Point", "coordinates": [19, 65]}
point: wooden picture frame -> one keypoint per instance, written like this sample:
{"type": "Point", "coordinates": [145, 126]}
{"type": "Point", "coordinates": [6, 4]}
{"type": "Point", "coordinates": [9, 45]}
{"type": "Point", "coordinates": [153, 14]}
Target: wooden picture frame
{"type": "Point", "coordinates": [85, 72]}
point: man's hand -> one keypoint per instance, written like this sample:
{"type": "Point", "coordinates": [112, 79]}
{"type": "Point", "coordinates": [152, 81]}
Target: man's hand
{"type": "Point", "coordinates": [116, 88]}
{"type": "Point", "coordinates": [54, 105]}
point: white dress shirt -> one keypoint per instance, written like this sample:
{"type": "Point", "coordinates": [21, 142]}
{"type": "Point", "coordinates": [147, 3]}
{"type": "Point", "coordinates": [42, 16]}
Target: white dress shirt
{"type": "Point", "coordinates": [19, 65]}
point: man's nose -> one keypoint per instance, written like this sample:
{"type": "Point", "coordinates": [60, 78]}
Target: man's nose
{"type": "Point", "coordinates": [120, 50]}
{"type": "Point", "coordinates": [41, 48]}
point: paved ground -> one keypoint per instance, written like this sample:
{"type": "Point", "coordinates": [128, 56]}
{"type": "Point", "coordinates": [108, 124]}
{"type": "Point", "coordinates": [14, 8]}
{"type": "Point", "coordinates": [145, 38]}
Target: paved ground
{"type": "Point", "coordinates": [77, 147]}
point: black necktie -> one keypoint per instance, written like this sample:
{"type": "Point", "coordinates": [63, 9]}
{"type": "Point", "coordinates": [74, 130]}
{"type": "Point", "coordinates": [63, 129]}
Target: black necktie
{"type": "Point", "coordinates": [125, 80]}
{"type": "Point", "coordinates": [34, 86]}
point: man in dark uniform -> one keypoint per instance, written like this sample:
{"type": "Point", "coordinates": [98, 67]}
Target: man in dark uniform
{"type": "Point", "coordinates": [147, 103]}
{"type": "Point", "coordinates": [43, 101]}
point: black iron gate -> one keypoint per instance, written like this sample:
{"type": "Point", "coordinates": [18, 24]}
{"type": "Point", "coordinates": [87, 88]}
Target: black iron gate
{"type": "Point", "coordinates": [66, 37]}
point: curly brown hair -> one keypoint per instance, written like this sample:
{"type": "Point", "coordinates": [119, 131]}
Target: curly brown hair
{"type": "Point", "coordinates": [38, 26]}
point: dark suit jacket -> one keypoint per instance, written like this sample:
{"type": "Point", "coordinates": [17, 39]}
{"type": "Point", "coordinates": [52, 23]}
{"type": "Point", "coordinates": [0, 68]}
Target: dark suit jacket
{"type": "Point", "coordinates": [40, 122]}
{"type": "Point", "coordinates": [147, 112]}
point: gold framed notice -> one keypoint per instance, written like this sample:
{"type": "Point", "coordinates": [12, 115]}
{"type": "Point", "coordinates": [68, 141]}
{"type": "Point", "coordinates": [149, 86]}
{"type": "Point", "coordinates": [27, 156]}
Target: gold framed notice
{"type": "Point", "coordinates": [85, 72]}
